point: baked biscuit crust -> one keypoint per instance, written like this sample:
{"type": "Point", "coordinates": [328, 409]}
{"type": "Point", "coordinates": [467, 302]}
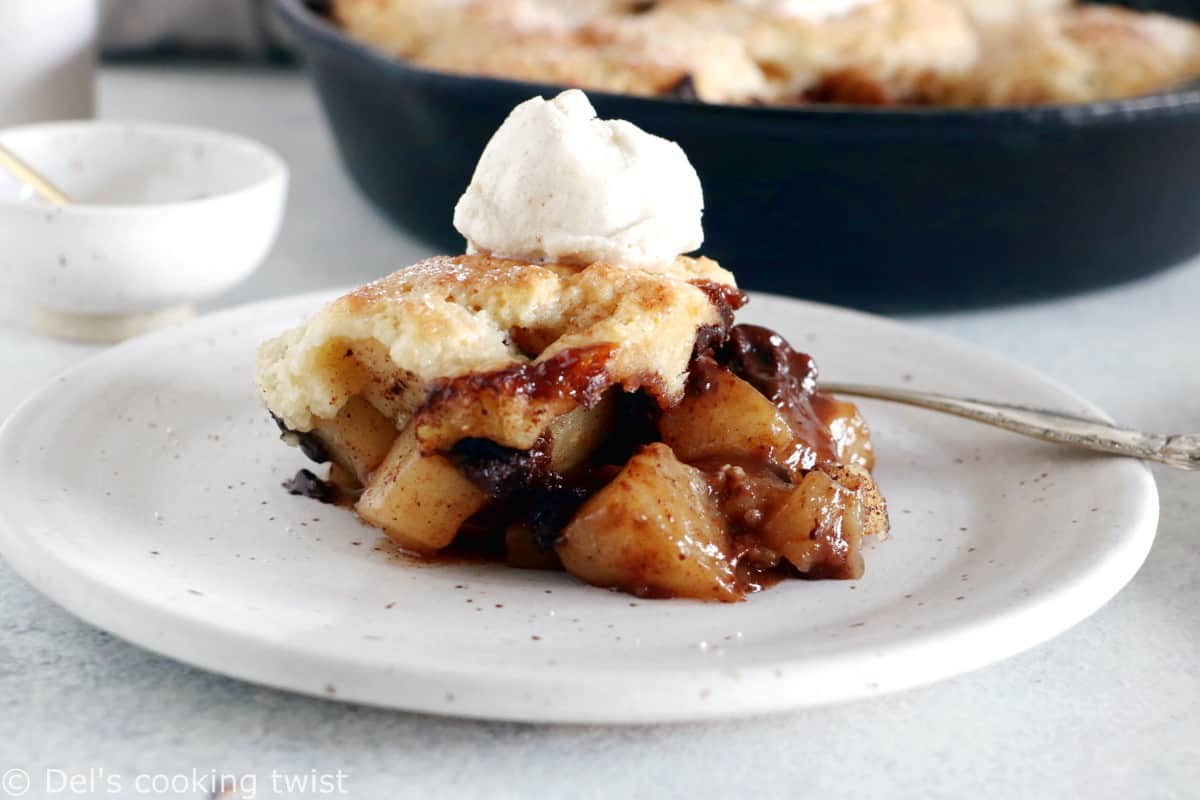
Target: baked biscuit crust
{"type": "Point", "coordinates": [398, 339]}
{"type": "Point", "coordinates": [886, 52]}
{"type": "Point", "coordinates": [1080, 54]}
{"type": "Point", "coordinates": [648, 54]}
{"type": "Point", "coordinates": [883, 53]}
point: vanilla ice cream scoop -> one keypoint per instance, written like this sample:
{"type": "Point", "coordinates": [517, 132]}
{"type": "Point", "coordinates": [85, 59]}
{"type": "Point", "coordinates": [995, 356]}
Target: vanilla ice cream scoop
{"type": "Point", "coordinates": [556, 184]}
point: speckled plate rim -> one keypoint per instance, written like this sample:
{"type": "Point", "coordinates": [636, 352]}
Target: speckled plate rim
{"type": "Point", "coordinates": [437, 685]}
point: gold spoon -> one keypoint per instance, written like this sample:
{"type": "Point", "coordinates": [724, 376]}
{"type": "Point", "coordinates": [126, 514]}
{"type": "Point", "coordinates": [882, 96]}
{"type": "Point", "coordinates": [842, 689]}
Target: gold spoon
{"type": "Point", "coordinates": [32, 178]}
{"type": "Point", "coordinates": [1178, 450]}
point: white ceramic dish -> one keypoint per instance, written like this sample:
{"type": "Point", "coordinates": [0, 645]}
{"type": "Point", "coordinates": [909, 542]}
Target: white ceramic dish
{"type": "Point", "coordinates": [162, 217]}
{"type": "Point", "coordinates": [143, 494]}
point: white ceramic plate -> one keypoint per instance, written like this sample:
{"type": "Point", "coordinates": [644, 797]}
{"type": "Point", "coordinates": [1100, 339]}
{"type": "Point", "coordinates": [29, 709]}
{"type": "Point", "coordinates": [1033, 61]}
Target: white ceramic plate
{"type": "Point", "coordinates": [142, 492]}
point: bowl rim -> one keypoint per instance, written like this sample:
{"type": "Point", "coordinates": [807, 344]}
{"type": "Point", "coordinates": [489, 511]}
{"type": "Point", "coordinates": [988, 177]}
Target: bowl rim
{"type": "Point", "coordinates": [313, 28]}
{"type": "Point", "coordinates": [276, 168]}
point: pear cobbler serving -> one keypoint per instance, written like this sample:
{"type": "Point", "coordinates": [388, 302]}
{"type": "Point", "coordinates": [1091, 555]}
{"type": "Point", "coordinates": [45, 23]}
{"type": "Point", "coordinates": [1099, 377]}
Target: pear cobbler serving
{"type": "Point", "coordinates": [573, 393]}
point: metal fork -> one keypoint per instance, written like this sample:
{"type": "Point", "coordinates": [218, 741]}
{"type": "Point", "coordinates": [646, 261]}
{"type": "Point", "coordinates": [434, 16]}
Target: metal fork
{"type": "Point", "coordinates": [1181, 451]}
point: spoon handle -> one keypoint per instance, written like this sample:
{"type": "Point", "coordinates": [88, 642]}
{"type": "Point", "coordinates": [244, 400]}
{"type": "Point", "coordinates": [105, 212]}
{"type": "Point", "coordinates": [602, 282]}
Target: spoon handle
{"type": "Point", "coordinates": [17, 167]}
{"type": "Point", "coordinates": [1175, 450]}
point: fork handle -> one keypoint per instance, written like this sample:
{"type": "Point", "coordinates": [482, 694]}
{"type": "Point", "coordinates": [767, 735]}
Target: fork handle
{"type": "Point", "coordinates": [1175, 450]}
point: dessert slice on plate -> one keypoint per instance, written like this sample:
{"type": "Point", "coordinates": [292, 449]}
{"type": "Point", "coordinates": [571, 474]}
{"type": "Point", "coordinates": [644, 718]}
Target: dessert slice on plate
{"type": "Point", "coordinates": [573, 392]}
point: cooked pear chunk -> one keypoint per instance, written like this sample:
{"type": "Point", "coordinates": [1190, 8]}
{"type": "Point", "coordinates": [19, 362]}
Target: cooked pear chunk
{"type": "Point", "coordinates": [849, 430]}
{"type": "Point", "coordinates": [577, 434]}
{"type": "Point", "coordinates": [819, 529]}
{"type": "Point", "coordinates": [727, 419]}
{"type": "Point", "coordinates": [857, 479]}
{"type": "Point", "coordinates": [358, 438]}
{"type": "Point", "coordinates": [653, 531]}
{"type": "Point", "coordinates": [345, 481]}
{"type": "Point", "coordinates": [420, 500]}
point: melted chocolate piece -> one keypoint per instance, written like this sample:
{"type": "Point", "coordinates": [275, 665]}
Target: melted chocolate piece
{"type": "Point", "coordinates": [500, 471]}
{"type": "Point", "coordinates": [524, 488]}
{"type": "Point", "coordinates": [550, 509]}
{"type": "Point", "coordinates": [763, 358]}
{"type": "Point", "coordinates": [786, 377]}
{"type": "Point", "coordinates": [308, 443]}
{"type": "Point", "coordinates": [306, 484]}
{"type": "Point", "coordinates": [635, 423]}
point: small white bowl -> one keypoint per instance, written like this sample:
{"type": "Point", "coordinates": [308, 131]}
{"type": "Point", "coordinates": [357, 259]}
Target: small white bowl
{"type": "Point", "coordinates": [162, 217]}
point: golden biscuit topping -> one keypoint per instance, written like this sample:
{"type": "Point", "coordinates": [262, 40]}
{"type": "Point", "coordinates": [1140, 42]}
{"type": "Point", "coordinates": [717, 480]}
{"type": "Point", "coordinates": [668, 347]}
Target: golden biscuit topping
{"type": "Point", "coordinates": [788, 52]}
{"type": "Point", "coordinates": [451, 316]}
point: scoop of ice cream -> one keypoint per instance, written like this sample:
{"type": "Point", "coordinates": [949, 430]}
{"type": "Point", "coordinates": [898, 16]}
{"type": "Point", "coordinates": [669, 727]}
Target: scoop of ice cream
{"type": "Point", "coordinates": [813, 10]}
{"type": "Point", "coordinates": [556, 184]}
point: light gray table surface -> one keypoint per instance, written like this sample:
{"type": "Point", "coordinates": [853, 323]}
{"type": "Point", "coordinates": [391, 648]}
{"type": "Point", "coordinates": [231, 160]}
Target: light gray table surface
{"type": "Point", "coordinates": [1109, 709]}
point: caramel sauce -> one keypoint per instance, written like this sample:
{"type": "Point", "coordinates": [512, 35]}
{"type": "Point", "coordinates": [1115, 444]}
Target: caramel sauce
{"type": "Point", "coordinates": [577, 374]}
{"type": "Point", "coordinates": [748, 495]}
{"type": "Point", "coordinates": [727, 299]}
{"type": "Point", "coordinates": [457, 554]}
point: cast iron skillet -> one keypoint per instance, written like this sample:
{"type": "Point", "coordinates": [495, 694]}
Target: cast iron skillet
{"type": "Point", "coordinates": [880, 208]}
